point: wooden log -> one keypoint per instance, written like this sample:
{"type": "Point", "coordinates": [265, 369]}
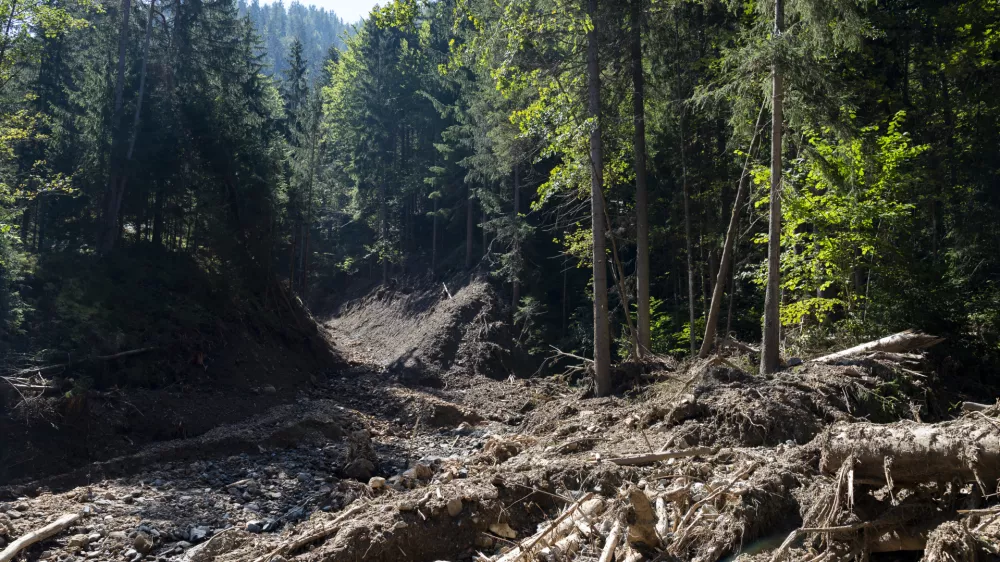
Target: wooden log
{"type": "Point", "coordinates": [38, 535]}
{"type": "Point", "coordinates": [608, 552]}
{"type": "Point", "coordinates": [913, 453]}
{"type": "Point", "coordinates": [903, 342]}
{"type": "Point", "coordinates": [524, 550]}
{"type": "Point", "coordinates": [650, 458]}
{"type": "Point", "coordinates": [643, 530]}
{"type": "Point", "coordinates": [975, 406]}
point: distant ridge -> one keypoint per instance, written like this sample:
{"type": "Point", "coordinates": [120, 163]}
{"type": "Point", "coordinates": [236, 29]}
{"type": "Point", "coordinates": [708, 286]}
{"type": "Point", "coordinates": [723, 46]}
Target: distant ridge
{"type": "Point", "coordinates": [317, 28]}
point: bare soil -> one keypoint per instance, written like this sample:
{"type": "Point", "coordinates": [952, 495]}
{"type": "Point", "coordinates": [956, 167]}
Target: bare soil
{"type": "Point", "coordinates": [432, 443]}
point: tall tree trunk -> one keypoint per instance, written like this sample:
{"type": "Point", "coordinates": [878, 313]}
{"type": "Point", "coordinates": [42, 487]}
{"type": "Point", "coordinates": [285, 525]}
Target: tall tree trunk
{"type": "Point", "coordinates": [602, 339]}
{"type": "Point", "coordinates": [112, 201]}
{"type": "Point", "coordinates": [639, 148]}
{"type": "Point", "coordinates": [158, 217]}
{"type": "Point", "coordinates": [434, 237]}
{"type": "Point", "coordinates": [383, 218]}
{"type": "Point", "coordinates": [687, 237]}
{"type": "Point", "coordinates": [769, 353]}
{"type": "Point", "coordinates": [469, 225]}
{"type": "Point", "coordinates": [712, 321]}
{"type": "Point", "coordinates": [516, 288]}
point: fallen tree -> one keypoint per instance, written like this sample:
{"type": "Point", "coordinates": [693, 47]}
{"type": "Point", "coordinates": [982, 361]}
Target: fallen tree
{"type": "Point", "coordinates": [911, 453]}
{"type": "Point", "coordinates": [903, 342]}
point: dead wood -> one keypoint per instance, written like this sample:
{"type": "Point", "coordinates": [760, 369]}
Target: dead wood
{"type": "Point", "coordinates": [976, 406]}
{"type": "Point", "coordinates": [639, 460]}
{"type": "Point", "coordinates": [527, 546]}
{"type": "Point", "coordinates": [903, 342]}
{"type": "Point", "coordinates": [912, 453]}
{"type": "Point", "coordinates": [323, 532]}
{"type": "Point", "coordinates": [643, 529]}
{"type": "Point", "coordinates": [38, 535]}
{"type": "Point", "coordinates": [608, 552]}
{"type": "Point", "coordinates": [52, 368]}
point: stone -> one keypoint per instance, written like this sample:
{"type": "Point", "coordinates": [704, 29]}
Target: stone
{"type": "Point", "coordinates": [454, 506]}
{"type": "Point", "coordinates": [269, 389]}
{"type": "Point", "coordinates": [79, 541]}
{"type": "Point", "coordinates": [142, 542]}
{"type": "Point", "coordinates": [376, 482]}
{"type": "Point", "coordinates": [359, 469]}
{"type": "Point", "coordinates": [132, 554]}
{"type": "Point", "coordinates": [118, 535]}
{"type": "Point", "coordinates": [198, 533]}
{"type": "Point", "coordinates": [794, 361]}
{"type": "Point", "coordinates": [255, 526]}
{"type": "Point", "coordinates": [304, 477]}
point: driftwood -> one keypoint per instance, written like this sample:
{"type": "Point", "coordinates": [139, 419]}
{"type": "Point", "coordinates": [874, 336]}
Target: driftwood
{"type": "Point", "coordinates": [323, 532]}
{"type": "Point", "coordinates": [608, 553]}
{"type": "Point", "coordinates": [525, 549]}
{"type": "Point", "coordinates": [643, 530]}
{"type": "Point", "coordinates": [38, 535]}
{"type": "Point", "coordinates": [650, 458]}
{"type": "Point", "coordinates": [911, 453]}
{"type": "Point", "coordinates": [52, 368]}
{"type": "Point", "coordinates": [975, 406]}
{"type": "Point", "coordinates": [903, 342]}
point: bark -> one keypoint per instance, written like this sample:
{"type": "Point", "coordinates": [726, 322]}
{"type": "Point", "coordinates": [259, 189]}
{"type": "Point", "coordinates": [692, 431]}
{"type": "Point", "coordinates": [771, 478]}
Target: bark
{"type": "Point", "coordinates": [434, 237]}
{"type": "Point", "coordinates": [903, 342]}
{"type": "Point", "coordinates": [687, 237]}
{"type": "Point", "coordinates": [50, 530]}
{"type": "Point", "coordinates": [516, 288]}
{"type": "Point", "coordinates": [469, 227]}
{"type": "Point", "coordinates": [112, 201]}
{"type": "Point", "coordinates": [602, 340]}
{"type": "Point", "coordinates": [769, 357]}
{"type": "Point", "coordinates": [712, 321]}
{"type": "Point", "coordinates": [383, 217]}
{"type": "Point", "coordinates": [641, 202]}
{"type": "Point", "coordinates": [909, 453]}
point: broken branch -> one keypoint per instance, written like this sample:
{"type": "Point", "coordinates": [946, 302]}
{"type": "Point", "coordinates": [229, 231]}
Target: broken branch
{"type": "Point", "coordinates": [50, 530]}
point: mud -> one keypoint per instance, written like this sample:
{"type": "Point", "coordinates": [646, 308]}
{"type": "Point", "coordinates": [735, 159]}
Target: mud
{"type": "Point", "coordinates": [416, 453]}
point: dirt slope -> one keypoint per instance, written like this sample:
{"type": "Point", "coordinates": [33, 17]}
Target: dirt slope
{"type": "Point", "coordinates": [376, 464]}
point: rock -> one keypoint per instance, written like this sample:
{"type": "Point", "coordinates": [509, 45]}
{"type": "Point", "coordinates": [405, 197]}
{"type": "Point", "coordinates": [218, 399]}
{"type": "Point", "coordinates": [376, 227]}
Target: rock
{"type": "Point", "coordinates": [212, 548]}
{"type": "Point", "coordinates": [359, 469]}
{"type": "Point", "coordinates": [142, 542]}
{"type": "Point", "coordinates": [454, 506]}
{"type": "Point", "coordinates": [304, 477]}
{"type": "Point", "coordinates": [405, 505]}
{"type": "Point", "coordinates": [376, 482]}
{"type": "Point", "coordinates": [269, 389]}
{"type": "Point", "coordinates": [255, 526]}
{"type": "Point", "coordinates": [463, 428]}
{"type": "Point", "coordinates": [503, 530]}
{"type": "Point", "coordinates": [79, 541]}
{"type": "Point", "coordinates": [794, 361]}
{"type": "Point", "coordinates": [252, 506]}
{"type": "Point", "coordinates": [198, 533]}
{"type": "Point", "coordinates": [296, 513]}
{"type": "Point", "coordinates": [419, 471]}
{"type": "Point", "coordinates": [132, 554]}
{"type": "Point", "coordinates": [118, 535]}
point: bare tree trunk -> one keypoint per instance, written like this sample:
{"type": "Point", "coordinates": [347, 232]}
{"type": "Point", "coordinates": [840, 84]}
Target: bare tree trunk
{"type": "Point", "coordinates": [112, 202]}
{"type": "Point", "coordinates": [383, 218]}
{"type": "Point", "coordinates": [641, 219]}
{"type": "Point", "coordinates": [712, 321]}
{"type": "Point", "coordinates": [516, 288]}
{"type": "Point", "coordinates": [469, 204]}
{"type": "Point", "coordinates": [602, 340]}
{"type": "Point", "coordinates": [434, 237]}
{"type": "Point", "coordinates": [687, 237]}
{"type": "Point", "coordinates": [769, 353]}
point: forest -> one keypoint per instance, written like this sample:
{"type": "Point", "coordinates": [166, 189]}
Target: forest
{"type": "Point", "coordinates": [547, 232]}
